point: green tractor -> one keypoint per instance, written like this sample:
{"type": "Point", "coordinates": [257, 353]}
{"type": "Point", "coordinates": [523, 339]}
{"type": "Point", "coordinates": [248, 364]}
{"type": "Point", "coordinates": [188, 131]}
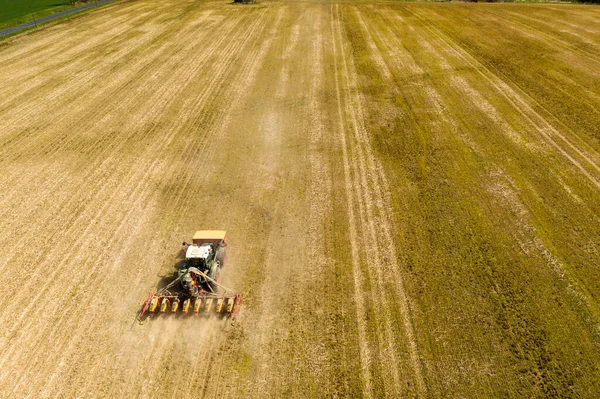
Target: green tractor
{"type": "Point", "coordinates": [197, 288]}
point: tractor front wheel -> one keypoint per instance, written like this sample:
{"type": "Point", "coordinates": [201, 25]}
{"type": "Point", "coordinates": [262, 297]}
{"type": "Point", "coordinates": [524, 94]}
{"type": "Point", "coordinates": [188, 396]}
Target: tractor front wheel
{"type": "Point", "coordinates": [221, 256]}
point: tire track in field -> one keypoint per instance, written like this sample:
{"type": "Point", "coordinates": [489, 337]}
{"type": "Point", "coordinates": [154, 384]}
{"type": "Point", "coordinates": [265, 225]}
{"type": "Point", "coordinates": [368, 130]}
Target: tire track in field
{"type": "Point", "coordinates": [21, 46]}
{"type": "Point", "coordinates": [225, 35]}
{"type": "Point", "coordinates": [135, 47]}
{"type": "Point", "coordinates": [416, 77]}
{"type": "Point", "coordinates": [97, 105]}
{"type": "Point", "coordinates": [365, 352]}
{"type": "Point", "coordinates": [367, 218]}
{"type": "Point", "coordinates": [208, 148]}
{"type": "Point", "coordinates": [183, 68]}
{"type": "Point", "coordinates": [579, 154]}
{"type": "Point", "coordinates": [67, 50]}
{"type": "Point", "coordinates": [366, 193]}
{"type": "Point", "coordinates": [321, 192]}
{"type": "Point", "coordinates": [442, 64]}
{"type": "Point", "coordinates": [387, 266]}
{"type": "Point", "coordinates": [66, 57]}
{"type": "Point", "coordinates": [244, 96]}
{"type": "Point", "coordinates": [92, 107]}
{"type": "Point", "coordinates": [244, 80]}
{"type": "Point", "coordinates": [518, 19]}
{"type": "Point", "coordinates": [391, 42]}
{"type": "Point", "coordinates": [399, 68]}
{"type": "Point", "coordinates": [578, 292]}
{"type": "Point", "coordinates": [122, 83]}
{"type": "Point", "coordinates": [184, 195]}
{"type": "Point", "coordinates": [282, 313]}
{"type": "Point", "coordinates": [542, 37]}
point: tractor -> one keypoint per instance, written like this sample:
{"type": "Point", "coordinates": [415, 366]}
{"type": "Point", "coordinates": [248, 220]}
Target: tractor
{"type": "Point", "coordinates": [197, 288]}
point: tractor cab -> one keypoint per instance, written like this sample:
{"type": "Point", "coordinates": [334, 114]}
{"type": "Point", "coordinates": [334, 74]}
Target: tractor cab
{"type": "Point", "coordinates": [207, 254]}
{"type": "Point", "coordinates": [197, 288]}
{"type": "Point", "coordinates": [199, 256]}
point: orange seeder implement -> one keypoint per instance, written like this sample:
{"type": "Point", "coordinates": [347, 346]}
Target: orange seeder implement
{"type": "Point", "coordinates": [225, 305]}
{"type": "Point", "coordinates": [194, 292]}
{"type": "Point", "coordinates": [164, 302]}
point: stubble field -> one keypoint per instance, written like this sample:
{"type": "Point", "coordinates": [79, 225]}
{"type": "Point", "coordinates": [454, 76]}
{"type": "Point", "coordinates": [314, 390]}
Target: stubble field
{"type": "Point", "coordinates": [411, 194]}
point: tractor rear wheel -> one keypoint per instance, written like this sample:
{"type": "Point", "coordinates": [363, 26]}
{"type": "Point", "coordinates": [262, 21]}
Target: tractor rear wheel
{"type": "Point", "coordinates": [221, 255]}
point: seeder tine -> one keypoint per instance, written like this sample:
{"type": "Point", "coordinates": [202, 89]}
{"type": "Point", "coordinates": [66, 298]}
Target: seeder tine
{"type": "Point", "coordinates": [175, 305]}
{"type": "Point", "coordinates": [230, 303]}
{"type": "Point", "coordinates": [219, 305]}
{"type": "Point", "coordinates": [197, 305]}
{"type": "Point", "coordinates": [209, 302]}
{"type": "Point", "coordinates": [164, 305]}
{"type": "Point", "coordinates": [153, 305]}
{"type": "Point", "coordinates": [186, 306]}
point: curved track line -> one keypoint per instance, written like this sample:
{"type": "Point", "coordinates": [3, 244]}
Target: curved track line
{"type": "Point", "coordinates": [523, 107]}
{"type": "Point", "coordinates": [365, 353]}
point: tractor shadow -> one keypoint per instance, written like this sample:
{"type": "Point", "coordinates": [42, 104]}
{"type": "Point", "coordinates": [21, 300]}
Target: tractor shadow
{"type": "Point", "coordinates": [166, 279]}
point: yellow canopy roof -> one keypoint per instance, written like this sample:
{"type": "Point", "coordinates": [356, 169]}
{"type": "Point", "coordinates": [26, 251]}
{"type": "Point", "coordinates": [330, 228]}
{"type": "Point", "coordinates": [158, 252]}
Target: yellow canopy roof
{"type": "Point", "coordinates": [207, 235]}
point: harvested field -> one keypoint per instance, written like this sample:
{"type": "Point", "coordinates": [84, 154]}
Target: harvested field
{"type": "Point", "coordinates": [411, 194]}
